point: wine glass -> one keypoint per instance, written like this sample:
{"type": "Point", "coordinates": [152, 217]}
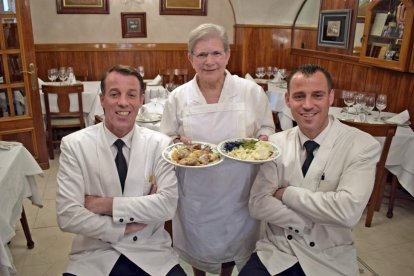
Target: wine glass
{"type": "Point", "coordinates": [169, 86]}
{"type": "Point", "coordinates": [260, 72]}
{"type": "Point", "coordinates": [381, 104]}
{"type": "Point", "coordinates": [282, 73]}
{"type": "Point", "coordinates": [369, 103]}
{"type": "Point", "coordinates": [349, 100]}
{"type": "Point", "coordinates": [141, 71]}
{"type": "Point", "coordinates": [52, 74]}
{"type": "Point", "coordinates": [360, 104]}
{"type": "Point", "coordinates": [269, 71]}
{"type": "Point", "coordinates": [70, 75]}
{"type": "Point", "coordinates": [62, 74]}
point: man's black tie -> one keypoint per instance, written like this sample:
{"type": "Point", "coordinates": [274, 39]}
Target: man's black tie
{"type": "Point", "coordinates": [310, 146]}
{"type": "Point", "coordinates": [121, 163]}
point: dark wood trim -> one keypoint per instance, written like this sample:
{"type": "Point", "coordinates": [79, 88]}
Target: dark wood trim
{"type": "Point", "coordinates": [109, 47]}
{"type": "Point", "coordinates": [326, 55]}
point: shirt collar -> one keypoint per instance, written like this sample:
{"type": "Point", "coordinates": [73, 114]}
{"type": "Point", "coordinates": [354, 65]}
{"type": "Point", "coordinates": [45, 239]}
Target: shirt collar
{"type": "Point", "coordinates": [111, 138]}
{"type": "Point", "coordinates": [318, 139]}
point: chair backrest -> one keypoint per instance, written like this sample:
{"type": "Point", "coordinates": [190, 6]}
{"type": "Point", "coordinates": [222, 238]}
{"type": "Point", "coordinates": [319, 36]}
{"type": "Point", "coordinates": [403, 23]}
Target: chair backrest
{"type": "Point", "coordinates": [377, 130]}
{"type": "Point", "coordinates": [62, 95]}
{"type": "Point", "coordinates": [81, 74]}
{"type": "Point", "coordinates": [176, 76]}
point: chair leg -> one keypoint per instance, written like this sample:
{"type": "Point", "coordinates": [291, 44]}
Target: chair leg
{"type": "Point", "coordinates": [50, 144]}
{"type": "Point", "coordinates": [393, 194]}
{"type": "Point", "coordinates": [373, 201]}
{"type": "Point", "coordinates": [26, 230]}
{"type": "Point", "coordinates": [168, 227]}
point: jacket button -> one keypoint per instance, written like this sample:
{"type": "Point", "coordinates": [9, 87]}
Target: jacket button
{"type": "Point", "coordinates": [311, 244]}
{"type": "Point", "coordinates": [135, 238]}
{"type": "Point", "coordinates": [296, 231]}
{"type": "Point", "coordinates": [121, 220]}
{"type": "Point", "coordinates": [290, 228]}
{"type": "Point", "coordinates": [289, 237]}
{"type": "Point", "coordinates": [131, 219]}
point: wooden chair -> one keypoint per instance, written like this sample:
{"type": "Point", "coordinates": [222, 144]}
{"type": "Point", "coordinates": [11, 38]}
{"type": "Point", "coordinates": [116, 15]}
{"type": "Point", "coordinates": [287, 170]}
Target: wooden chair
{"type": "Point", "coordinates": [65, 120]}
{"type": "Point", "coordinates": [338, 98]}
{"type": "Point", "coordinates": [377, 130]}
{"type": "Point", "coordinates": [395, 187]}
{"type": "Point", "coordinates": [176, 76]}
{"type": "Point", "coordinates": [81, 74]}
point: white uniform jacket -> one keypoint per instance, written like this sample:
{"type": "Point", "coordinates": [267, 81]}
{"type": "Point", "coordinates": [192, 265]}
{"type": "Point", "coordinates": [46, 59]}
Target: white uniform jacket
{"type": "Point", "coordinates": [87, 167]}
{"type": "Point", "coordinates": [313, 223]}
{"type": "Point", "coordinates": [213, 224]}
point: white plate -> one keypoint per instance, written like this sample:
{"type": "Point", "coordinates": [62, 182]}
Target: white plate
{"type": "Point", "coordinates": [276, 151]}
{"type": "Point", "coordinates": [166, 154]}
{"type": "Point", "coordinates": [148, 117]}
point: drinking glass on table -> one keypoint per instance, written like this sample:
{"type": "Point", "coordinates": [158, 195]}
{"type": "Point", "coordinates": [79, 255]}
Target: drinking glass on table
{"type": "Point", "coordinates": [260, 72]}
{"type": "Point", "coordinates": [141, 71]}
{"type": "Point", "coordinates": [381, 104]}
{"type": "Point", "coordinates": [360, 106]}
{"type": "Point", "coordinates": [369, 103]}
{"type": "Point", "coordinates": [70, 74]}
{"type": "Point", "coordinates": [269, 71]}
{"type": "Point", "coordinates": [349, 100]}
{"type": "Point", "coordinates": [62, 74]}
{"type": "Point", "coordinates": [282, 73]}
{"type": "Point", "coordinates": [52, 74]}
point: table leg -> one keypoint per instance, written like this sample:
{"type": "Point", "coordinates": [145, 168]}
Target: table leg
{"type": "Point", "coordinates": [26, 230]}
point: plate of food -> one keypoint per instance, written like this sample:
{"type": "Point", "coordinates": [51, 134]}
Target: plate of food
{"type": "Point", "coordinates": [194, 155]}
{"type": "Point", "coordinates": [148, 117]}
{"type": "Point", "coordinates": [249, 150]}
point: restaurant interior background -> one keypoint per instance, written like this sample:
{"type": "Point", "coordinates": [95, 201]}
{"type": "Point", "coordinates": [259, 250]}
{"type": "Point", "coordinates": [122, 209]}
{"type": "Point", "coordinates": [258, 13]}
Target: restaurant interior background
{"type": "Point", "coordinates": [278, 33]}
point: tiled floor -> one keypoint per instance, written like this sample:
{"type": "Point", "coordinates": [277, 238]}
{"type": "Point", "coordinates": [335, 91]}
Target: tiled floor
{"type": "Point", "coordinates": [387, 247]}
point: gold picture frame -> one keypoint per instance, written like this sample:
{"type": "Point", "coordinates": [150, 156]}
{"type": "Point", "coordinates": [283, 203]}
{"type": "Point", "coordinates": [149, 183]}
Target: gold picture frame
{"type": "Point", "coordinates": [183, 7]}
{"type": "Point", "coordinates": [82, 6]}
{"type": "Point", "coordinates": [134, 24]}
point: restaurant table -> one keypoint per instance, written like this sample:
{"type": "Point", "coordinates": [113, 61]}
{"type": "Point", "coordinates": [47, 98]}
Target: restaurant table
{"type": "Point", "coordinates": [17, 171]}
{"type": "Point", "coordinates": [90, 94]}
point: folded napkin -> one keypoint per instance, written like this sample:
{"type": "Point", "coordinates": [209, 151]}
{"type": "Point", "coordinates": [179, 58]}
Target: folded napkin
{"type": "Point", "coordinates": [7, 145]}
{"type": "Point", "coordinates": [249, 77]}
{"type": "Point", "coordinates": [156, 81]}
{"type": "Point", "coordinates": [40, 81]}
{"type": "Point", "coordinates": [400, 118]}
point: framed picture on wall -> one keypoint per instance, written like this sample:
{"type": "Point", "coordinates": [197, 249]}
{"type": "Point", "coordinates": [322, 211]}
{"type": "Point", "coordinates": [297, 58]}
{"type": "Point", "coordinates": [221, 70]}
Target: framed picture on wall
{"type": "Point", "coordinates": [82, 6]}
{"type": "Point", "coordinates": [134, 24]}
{"type": "Point", "coordinates": [334, 28]}
{"type": "Point", "coordinates": [183, 7]}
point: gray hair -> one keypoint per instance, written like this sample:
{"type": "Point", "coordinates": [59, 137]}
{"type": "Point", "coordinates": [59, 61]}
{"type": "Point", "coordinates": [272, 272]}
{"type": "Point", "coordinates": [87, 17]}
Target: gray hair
{"type": "Point", "coordinates": [205, 31]}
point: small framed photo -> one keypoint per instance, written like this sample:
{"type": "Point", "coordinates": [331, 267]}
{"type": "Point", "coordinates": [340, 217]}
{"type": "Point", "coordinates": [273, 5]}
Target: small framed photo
{"type": "Point", "coordinates": [334, 28]}
{"type": "Point", "coordinates": [183, 7]}
{"type": "Point", "coordinates": [134, 24]}
{"type": "Point", "coordinates": [82, 6]}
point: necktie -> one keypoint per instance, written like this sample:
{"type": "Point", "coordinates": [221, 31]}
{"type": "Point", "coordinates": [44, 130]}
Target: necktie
{"type": "Point", "coordinates": [310, 146]}
{"type": "Point", "coordinates": [121, 164]}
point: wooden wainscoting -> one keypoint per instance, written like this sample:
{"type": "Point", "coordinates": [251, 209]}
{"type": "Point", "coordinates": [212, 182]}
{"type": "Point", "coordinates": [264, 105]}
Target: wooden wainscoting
{"type": "Point", "coordinates": [97, 58]}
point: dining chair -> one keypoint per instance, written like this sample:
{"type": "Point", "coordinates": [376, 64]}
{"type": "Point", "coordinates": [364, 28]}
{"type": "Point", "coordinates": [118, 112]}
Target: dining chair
{"type": "Point", "coordinates": [82, 74]}
{"type": "Point", "coordinates": [377, 130]}
{"type": "Point", "coordinates": [338, 98]}
{"type": "Point", "coordinates": [64, 116]}
{"type": "Point", "coordinates": [396, 192]}
{"type": "Point", "coordinates": [176, 76]}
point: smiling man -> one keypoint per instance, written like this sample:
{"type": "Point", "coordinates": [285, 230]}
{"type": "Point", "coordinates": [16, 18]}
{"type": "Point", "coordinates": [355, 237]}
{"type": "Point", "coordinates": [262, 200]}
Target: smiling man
{"type": "Point", "coordinates": [107, 195]}
{"type": "Point", "coordinates": [312, 196]}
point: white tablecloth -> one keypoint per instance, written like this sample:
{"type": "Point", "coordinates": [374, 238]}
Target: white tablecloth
{"type": "Point", "coordinates": [17, 170]}
{"type": "Point", "coordinates": [91, 90]}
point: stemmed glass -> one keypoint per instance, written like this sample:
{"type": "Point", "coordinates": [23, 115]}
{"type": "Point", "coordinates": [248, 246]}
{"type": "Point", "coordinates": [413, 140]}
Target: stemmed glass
{"type": "Point", "coordinates": [275, 73]}
{"type": "Point", "coordinates": [360, 105]}
{"type": "Point", "coordinates": [349, 100]}
{"type": "Point", "coordinates": [369, 103]}
{"type": "Point", "coordinates": [141, 71]}
{"type": "Point", "coordinates": [260, 72]}
{"type": "Point", "coordinates": [269, 71]}
{"type": "Point", "coordinates": [169, 86]}
{"type": "Point", "coordinates": [52, 74]}
{"type": "Point", "coordinates": [282, 73]}
{"type": "Point", "coordinates": [70, 75]}
{"type": "Point", "coordinates": [381, 104]}
{"type": "Point", "coordinates": [62, 74]}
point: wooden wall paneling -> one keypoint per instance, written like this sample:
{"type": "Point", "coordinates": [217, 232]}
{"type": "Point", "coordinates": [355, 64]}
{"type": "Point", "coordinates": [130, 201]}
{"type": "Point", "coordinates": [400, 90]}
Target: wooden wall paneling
{"type": "Point", "coordinates": [358, 77]}
{"type": "Point", "coordinates": [305, 38]}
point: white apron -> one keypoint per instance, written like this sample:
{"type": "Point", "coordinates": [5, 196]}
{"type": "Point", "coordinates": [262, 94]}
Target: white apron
{"type": "Point", "coordinates": [213, 224]}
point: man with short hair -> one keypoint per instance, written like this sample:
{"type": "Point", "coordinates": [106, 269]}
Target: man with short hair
{"type": "Point", "coordinates": [315, 192]}
{"type": "Point", "coordinates": [107, 194]}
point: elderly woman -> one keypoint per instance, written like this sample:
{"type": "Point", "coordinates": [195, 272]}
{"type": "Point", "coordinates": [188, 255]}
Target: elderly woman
{"type": "Point", "coordinates": [212, 229]}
